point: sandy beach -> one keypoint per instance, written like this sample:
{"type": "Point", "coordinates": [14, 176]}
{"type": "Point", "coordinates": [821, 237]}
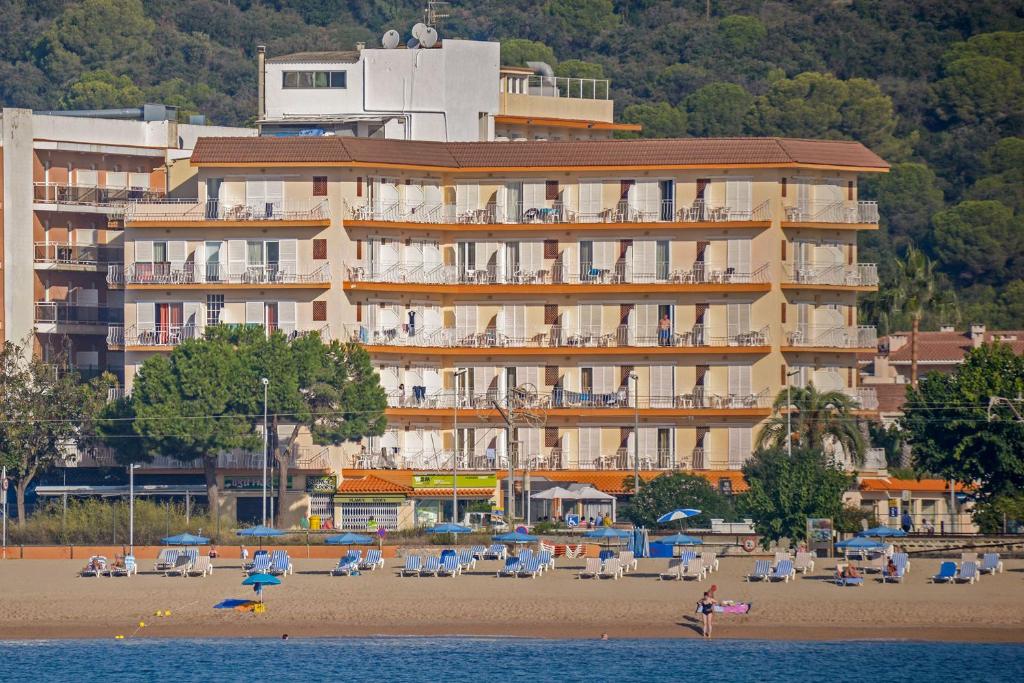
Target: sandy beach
{"type": "Point", "coordinates": [46, 599]}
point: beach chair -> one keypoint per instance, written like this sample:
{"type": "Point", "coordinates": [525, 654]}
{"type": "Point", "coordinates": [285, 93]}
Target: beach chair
{"type": "Point", "coordinates": [479, 551]}
{"type": "Point", "coordinates": [347, 563]}
{"type": "Point", "coordinates": [412, 565]}
{"type": "Point", "coordinates": [875, 564]}
{"type": "Point", "coordinates": [166, 558]}
{"type": "Point", "coordinates": [628, 561]}
{"type": "Point", "coordinates": [841, 580]}
{"type": "Point", "coordinates": [804, 563]}
{"type": "Point", "coordinates": [260, 565]}
{"type": "Point", "coordinates": [281, 564]}
{"type": "Point", "coordinates": [181, 566]}
{"type": "Point", "coordinates": [694, 569]}
{"type": "Point", "coordinates": [900, 561]}
{"type": "Point", "coordinates": [674, 571]}
{"type": "Point", "coordinates": [687, 556]}
{"type": "Point", "coordinates": [201, 567]}
{"type": "Point", "coordinates": [127, 568]}
{"type": "Point", "coordinates": [525, 554]}
{"type": "Point", "coordinates": [531, 567]}
{"type": "Point", "coordinates": [547, 560]}
{"type": "Point", "coordinates": [611, 569]}
{"type": "Point", "coordinates": [373, 561]}
{"type": "Point", "coordinates": [709, 561]}
{"type": "Point", "coordinates": [783, 571]}
{"type": "Point", "coordinates": [762, 568]}
{"type": "Point", "coordinates": [259, 553]}
{"type": "Point", "coordinates": [968, 573]}
{"type": "Point", "coordinates": [779, 557]}
{"type": "Point", "coordinates": [496, 552]}
{"type": "Point", "coordinates": [431, 566]}
{"type": "Point", "coordinates": [947, 572]}
{"type": "Point", "coordinates": [969, 557]}
{"type": "Point", "coordinates": [449, 566]}
{"type": "Point", "coordinates": [591, 569]}
{"type": "Point", "coordinates": [511, 567]}
{"type": "Point", "coordinates": [467, 560]}
{"type": "Point", "coordinates": [990, 563]}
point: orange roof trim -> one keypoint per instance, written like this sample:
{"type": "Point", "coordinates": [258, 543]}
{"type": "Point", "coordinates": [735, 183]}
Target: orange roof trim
{"type": "Point", "coordinates": [893, 485]}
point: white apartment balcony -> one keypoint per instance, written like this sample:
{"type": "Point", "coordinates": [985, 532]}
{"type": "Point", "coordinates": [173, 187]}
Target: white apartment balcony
{"type": "Point", "coordinates": [555, 212]}
{"type": "Point", "coordinates": [547, 459]}
{"type": "Point", "coordinates": [564, 399]}
{"type": "Point", "coordinates": [197, 211]}
{"type": "Point", "coordinates": [76, 257]}
{"type": "Point", "coordinates": [837, 275]}
{"type": "Point", "coordinates": [833, 212]}
{"type": "Point", "coordinates": [559, 337]}
{"type": "Point", "coordinates": [157, 337]}
{"type": "Point", "coordinates": [214, 275]}
{"type": "Point", "coordinates": [88, 198]}
{"type": "Point", "coordinates": [61, 317]}
{"type": "Point", "coordinates": [813, 336]}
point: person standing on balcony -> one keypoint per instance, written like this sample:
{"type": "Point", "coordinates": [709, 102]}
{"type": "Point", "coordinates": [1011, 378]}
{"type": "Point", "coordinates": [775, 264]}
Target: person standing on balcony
{"type": "Point", "coordinates": [665, 331]}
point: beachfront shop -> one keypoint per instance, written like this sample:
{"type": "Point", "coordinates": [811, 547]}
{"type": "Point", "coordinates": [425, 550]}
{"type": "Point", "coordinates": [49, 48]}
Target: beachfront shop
{"type": "Point", "coordinates": [306, 496]}
{"type": "Point", "coordinates": [433, 496]}
{"type": "Point", "coordinates": [931, 505]}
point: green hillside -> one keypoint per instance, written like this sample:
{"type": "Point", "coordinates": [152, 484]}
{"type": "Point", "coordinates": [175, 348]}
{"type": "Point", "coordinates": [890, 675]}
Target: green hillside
{"type": "Point", "coordinates": [935, 86]}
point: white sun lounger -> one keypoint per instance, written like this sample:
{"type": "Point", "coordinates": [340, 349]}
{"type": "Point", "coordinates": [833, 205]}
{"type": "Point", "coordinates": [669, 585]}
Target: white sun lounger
{"type": "Point", "coordinates": [804, 563]}
{"type": "Point", "coordinates": [612, 569]}
{"type": "Point", "coordinates": [127, 569]}
{"type": "Point", "coordinates": [674, 571]}
{"type": "Point", "coordinates": [968, 573]}
{"type": "Point", "coordinates": [628, 561]}
{"type": "Point", "coordinates": [710, 562]}
{"type": "Point", "coordinates": [592, 568]}
{"type": "Point", "coordinates": [201, 567]}
{"type": "Point", "coordinates": [990, 563]}
{"type": "Point", "coordinates": [694, 569]}
{"type": "Point", "coordinates": [167, 558]}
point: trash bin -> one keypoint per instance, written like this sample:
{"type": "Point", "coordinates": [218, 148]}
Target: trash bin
{"type": "Point", "coordinates": [314, 522]}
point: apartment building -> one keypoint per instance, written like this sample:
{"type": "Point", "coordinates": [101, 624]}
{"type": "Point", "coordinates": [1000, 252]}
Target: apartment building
{"type": "Point", "coordinates": [630, 301]}
{"type": "Point", "coordinates": [66, 180]}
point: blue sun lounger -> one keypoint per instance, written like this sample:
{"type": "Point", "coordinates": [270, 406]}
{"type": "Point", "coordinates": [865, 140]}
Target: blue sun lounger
{"type": "Point", "coordinates": [412, 565]}
{"type": "Point", "coordinates": [947, 572]}
{"type": "Point", "coordinates": [347, 564]}
{"type": "Point", "coordinates": [496, 552]}
{"type": "Point", "coordinates": [783, 572]}
{"type": "Point", "coordinates": [431, 566]}
{"type": "Point", "coordinates": [479, 551]}
{"type": "Point", "coordinates": [260, 565]}
{"type": "Point", "coordinates": [280, 564]}
{"type": "Point", "coordinates": [762, 568]}
{"type": "Point", "coordinates": [968, 573]}
{"type": "Point", "coordinates": [449, 566]}
{"type": "Point", "coordinates": [532, 567]}
{"type": "Point", "coordinates": [991, 564]}
{"type": "Point", "coordinates": [511, 567]}
{"type": "Point", "coordinates": [373, 561]}
{"type": "Point", "coordinates": [466, 560]}
{"type": "Point", "coordinates": [547, 560]}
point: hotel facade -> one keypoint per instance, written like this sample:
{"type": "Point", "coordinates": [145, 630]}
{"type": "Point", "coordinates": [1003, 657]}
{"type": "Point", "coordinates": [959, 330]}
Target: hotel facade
{"type": "Point", "coordinates": [632, 302]}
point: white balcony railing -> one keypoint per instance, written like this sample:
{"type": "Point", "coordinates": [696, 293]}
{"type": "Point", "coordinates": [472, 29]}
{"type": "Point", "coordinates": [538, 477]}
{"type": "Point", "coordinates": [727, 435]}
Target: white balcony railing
{"type": "Point", "coordinates": [833, 212]}
{"type": "Point", "coordinates": [217, 210]}
{"type": "Point", "coordinates": [170, 336]}
{"type": "Point", "coordinates": [857, 275]}
{"type": "Point", "coordinates": [91, 195]}
{"type": "Point", "coordinates": [861, 337]}
{"type": "Point", "coordinates": [563, 86]}
{"type": "Point", "coordinates": [696, 399]}
{"type": "Point", "coordinates": [213, 274]}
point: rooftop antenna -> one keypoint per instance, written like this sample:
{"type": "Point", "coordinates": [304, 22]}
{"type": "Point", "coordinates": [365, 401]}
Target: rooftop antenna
{"type": "Point", "coordinates": [436, 12]}
{"type": "Point", "coordinates": [390, 39]}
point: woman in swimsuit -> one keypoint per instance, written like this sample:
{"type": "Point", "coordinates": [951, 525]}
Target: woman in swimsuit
{"type": "Point", "coordinates": [707, 608]}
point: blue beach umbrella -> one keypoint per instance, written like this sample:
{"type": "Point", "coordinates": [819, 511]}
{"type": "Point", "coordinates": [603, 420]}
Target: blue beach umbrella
{"type": "Point", "coordinates": [678, 515]}
{"type": "Point", "coordinates": [258, 581]}
{"type": "Point", "coordinates": [608, 532]}
{"type": "Point", "coordinates": [449, 528]}
{"type": "Point", "coordinates": [260, 531]}
{"type": "Point", "coordinates": [859, 543]}
{"type": "Point", "coordinates": [185, 539]}
{"type": "Point", "coordinates": [349, 539]}
{"type": "Point", "coordinates": [882, 532]}
{"type": "Point", "coordinates": [515, 537]}
{"type": "Point", "coordinates": [679, 539]}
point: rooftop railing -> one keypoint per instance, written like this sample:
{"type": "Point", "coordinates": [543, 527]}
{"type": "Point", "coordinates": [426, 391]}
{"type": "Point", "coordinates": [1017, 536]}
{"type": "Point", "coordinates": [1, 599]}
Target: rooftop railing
{"type": "Point", "coordinates": [857, 275]}
{"type": "Point", "coordinates": [222, 210]}
{"type": "Point", "coordinates": [562, 86]}
{"type": "Point", "coordinates": [77, 254]}
{"type": "Point", "coordinates": [833, 212]}
{"type": "Point", "coordinates": [64, 313]}
{"type": "Point", "coordinates": [165, 274]}
{"type": "Point", "coordinates": [840, 337]}
{"type": "Point", "coordinates": [91, 195]}
{"type": "Point", "coordinates": [170, 336]}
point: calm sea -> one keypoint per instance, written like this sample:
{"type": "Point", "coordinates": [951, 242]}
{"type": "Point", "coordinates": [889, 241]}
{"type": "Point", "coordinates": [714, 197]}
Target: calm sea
{"type": "Point", "coordinates": [490, 659]}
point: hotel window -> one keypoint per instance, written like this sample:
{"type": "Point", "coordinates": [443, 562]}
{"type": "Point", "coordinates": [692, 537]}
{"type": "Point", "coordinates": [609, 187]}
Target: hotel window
{"type": "Point", "coordinates": [214, 307]}
{"type": "Point", "coordinates": [314, 79]}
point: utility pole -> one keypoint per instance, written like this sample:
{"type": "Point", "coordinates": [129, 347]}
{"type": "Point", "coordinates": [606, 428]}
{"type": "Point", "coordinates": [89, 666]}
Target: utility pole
{"type": "Point", "coordinates": [266, 384]}
{"type": "Point", "coordinates": [789, 414]}
{"type": "Point", "coordinates": [510, 501]}
{"type": "Point", "coordinates": [3, 491]}
{"type": "Point", "coordinates": [636, 432]}
{"type": "Point", "coordinates": [455, 448]}
{"type": "Point", "coordinates": [131, 508]}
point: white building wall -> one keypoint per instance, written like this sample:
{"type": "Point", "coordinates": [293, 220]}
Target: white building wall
{"type": "Point", "coordinates": [16, 138]}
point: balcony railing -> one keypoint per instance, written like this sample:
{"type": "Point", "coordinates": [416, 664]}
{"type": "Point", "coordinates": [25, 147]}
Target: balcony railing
{"type": "Point", "coordinates": [91, 195]}
{"type": "Point", "coordinates": [63, 313]}
{"type": "Point", "coordinates": [562, 86]}
{"type": "Point", "coordinates": [833, 212]}
{"type": "Point", "coordinates": [662, 211]}
{"type": "Point", "coordinates": [77, 254]}
{"type": "Point", "coordinates": [555, 458]}
{"type": "Point", "coordinates": [165, 274]}
{"type": "Point", "coordinates": [860, 337]}
{"type": "Point", "coordinates": [857, 275]}
{"type": "Point", "coordinates": [558, 336]}
{"type": "Point", "coordinates": [557, 399]}
{"type": "Point", "coordinates": [170, 336]}
{"type": "Point", "coordinates": [557, 273]}
{"type": "Point", "coordinates": [217, 210]}
{"type": "Point", "coordinates": [866, 397]}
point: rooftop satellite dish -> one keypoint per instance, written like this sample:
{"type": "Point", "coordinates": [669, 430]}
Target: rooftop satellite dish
{"type": "Point", "coordinates": [418, 31]}
{"type": "Point", "coordinates": [412, 44]}
{"type": "Point", "coordinates": [390, 40]}
{"type": "Point", "coordinates": [429, 37]}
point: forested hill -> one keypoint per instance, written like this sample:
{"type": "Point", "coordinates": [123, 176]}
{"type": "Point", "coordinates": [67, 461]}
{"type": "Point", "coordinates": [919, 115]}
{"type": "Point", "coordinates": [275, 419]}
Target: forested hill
{"type": "Point", "coordinates": [935, 86]}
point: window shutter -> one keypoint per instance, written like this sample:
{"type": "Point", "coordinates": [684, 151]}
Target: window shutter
{"type": "Point", "coordinates": [145, 316]}
{"type": "Point", "coordinates": [286, 316]}
{"type": "Point", "coordinates": [359, 311]}
{"type": "Point", "coordinates": [320, 186]}
{"type": "Point", "coordinates": [319, 311]}
{"type": "Point", "coordinates": [551, 375]}
{"type": "Point", "coordinates": [624, 372]}
{"type": "Point", "coordinates": [550, 249]}
{"type": "Point", "coordinates": [319, 249]}
{"type": "Point", "coordinates": [551, 190]}
{"type": "Point", "coordinates": [236, 257]}
{"type": "Point", "coordinates": [254, 313]}
{"type": "Point", "coordinates": [550, 437]}
{"type": "Point", "coordinates": [702, 186]}
{"type": "Point", "coordinates": [359, 186]}
{"type": "Point", "coordinates": [144, 251]}
{"type": "Point", "coordinates": [624, 312]}
{"type": "Point", "coordinates": [176, 254]}
{"type": "Point", "coordinates": [550, 314]}
{"type": "Point", "coordinates": [289, 256]}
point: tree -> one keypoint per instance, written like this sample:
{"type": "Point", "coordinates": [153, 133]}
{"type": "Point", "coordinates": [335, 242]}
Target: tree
{"type": "Point", "coordinates": [677, 490]}
{"type": "Point", "coordinates": [980, 89]}
{"type": "Point", "coordinates": [908, 196]}
{"type": "Point", "coordinates": [785, 491]}
{"type": "Point", "coordinates": [102, 89]}
{"type": "Point", "coordinates": [660, 120]}
{"type": "Point", "coordinates": [821, 420]}
{"type": "Point", "coordinates": [519, 51]}
{"type": "Point", "coordinates": [947, 422]}
{"type": "Point", "coordinates": [583, 17]}
{"type": "Point", "coordinates": [43, 406]}
{"type": "Point", "coordinates": [980, 241]}
{"type": "Point", "coordinates": [914, 293]}
{"type": "Point", "coordinates": [742, 35]}
{"type": "Point", "coordinates": [718, 109]}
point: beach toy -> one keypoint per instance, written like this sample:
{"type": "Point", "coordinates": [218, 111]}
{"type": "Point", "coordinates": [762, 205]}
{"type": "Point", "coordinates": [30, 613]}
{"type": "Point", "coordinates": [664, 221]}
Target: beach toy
{"type": "Point", "coordinates": [167, 612]}
{"type": "Point", "coordinates": [118, 637]}
{"type": "Point", "coordinates": [142, 624]}
{"type": "Point", "coordinates": [158, 613]}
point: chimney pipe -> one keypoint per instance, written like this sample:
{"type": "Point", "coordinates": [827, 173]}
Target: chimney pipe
{"type": "Point", "coordinates": [261, 81]}
{"type": "Point", "coordinates": [977, 335]}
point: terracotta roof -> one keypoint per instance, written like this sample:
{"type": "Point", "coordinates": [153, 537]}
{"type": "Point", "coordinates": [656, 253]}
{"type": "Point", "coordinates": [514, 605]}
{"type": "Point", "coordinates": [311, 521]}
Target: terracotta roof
{"type": "Point", "coordinates": [400, 477]}
{"type": "Point", "coordinates": [538, 154]}
{"type": "Point", "coordinates": [890, 396]}
{"type": "Point", "coordinates": [920, 486]}
{"type": "Point", "coordinates": [613, 481]}
{"type": "Point", "coordinates": [335, 57]}
{"type": "Point", "coordinates": [936, 347]}
{"type": "Point", "coordinates": [371, 484]}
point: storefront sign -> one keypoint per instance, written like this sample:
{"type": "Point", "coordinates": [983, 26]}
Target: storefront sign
{"type": "Point", "coordinates": [444, 481]}
{"type": "Point", "coordinates": [322, 484]}
{"type": "Point", "coordinates": [253, 483]}
{"type": "Point", "coordinates": [368, 499]}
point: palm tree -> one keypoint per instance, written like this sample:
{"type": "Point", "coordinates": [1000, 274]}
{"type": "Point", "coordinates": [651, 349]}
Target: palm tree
{"type": "Point", "coordinates": [820, 419]}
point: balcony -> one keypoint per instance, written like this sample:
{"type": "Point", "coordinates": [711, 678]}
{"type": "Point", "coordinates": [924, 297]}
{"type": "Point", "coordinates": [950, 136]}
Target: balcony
{"type": "Point", "coordinates": [191, 211]}
{"type": "Point", "coordinates": [812, 336]}
{"type": "Point", "coordinates": [560, 337]}
{"type": "Point", "coordinates": [866, 397]}
{"type": "Point", "coordinates": [547, 459]}
{"type": "Point", "coordinates": [158, 337]}
{"type": "Point", "coordinates": [212, 276]}
{"type": "Point", "coordinates": [60, 317]}
{"type": "Point", "coordinates": [563, 399]}
{"type": "Point", "coordinates": [832, 275]}
{"type": "Point", "coordinates": [849, 212]}
{"type": "Point", "coordinates": [63, 194]}
{"type": "Point", "coordinates": [77, 257]}
{"type": "Point", "coordinates": [555, 212]}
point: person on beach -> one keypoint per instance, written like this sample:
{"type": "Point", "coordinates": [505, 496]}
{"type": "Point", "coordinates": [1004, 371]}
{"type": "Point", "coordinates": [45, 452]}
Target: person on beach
{"type": "Point", "coordinates": [707, 608]}
{"type": "Point", "coordinates": [245, 554]}
{"type": "Point", "coordinates": [927, 526]}
{"type": "Point", "coordinates": [850, 571]}
{"type": "Point", "coordinates": [213, 552]}
{"type": "Point", "coordinates": [906, 523]}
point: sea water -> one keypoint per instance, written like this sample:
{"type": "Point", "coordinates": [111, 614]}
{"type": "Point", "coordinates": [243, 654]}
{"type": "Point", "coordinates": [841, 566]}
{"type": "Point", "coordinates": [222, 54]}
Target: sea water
{"type": "Point", "coordinates": [454, 659]}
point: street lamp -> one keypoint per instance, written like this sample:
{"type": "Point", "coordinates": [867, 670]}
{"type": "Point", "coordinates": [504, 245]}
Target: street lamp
{"type": "Point", "coordinates": [266, 383]}
{"type": "Point", "coordinates": [636, 432]}
{"type": "Point", "coordinates": [789, 414]}
{"type": "Point", "coordinates": [455, 448]}
{"type": "Point", "coordinates": [131, 508]}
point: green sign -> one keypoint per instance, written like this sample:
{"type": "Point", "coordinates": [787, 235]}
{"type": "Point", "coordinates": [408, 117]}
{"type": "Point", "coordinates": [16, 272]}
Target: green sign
{"type": "Point", "coordinates": [444, 481]}
{"type": "Point", "coordinates": [322, 484]}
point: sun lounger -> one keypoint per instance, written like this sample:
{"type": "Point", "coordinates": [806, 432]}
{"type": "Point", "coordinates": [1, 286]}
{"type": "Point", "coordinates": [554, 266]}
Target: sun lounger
{"type": "Point", "coordinates": [496, 552]}
{"type": "Point", "coordinates": [260, 565]}
{"type": "Point", "coordinates": [875, 564]}
{"type": "Point", "coordinates": [709, 561]}
{"type": "Point", "coordinates": [181, 566]}
{"type": "Point", "coordinates": [779, 557]}
{"type": "Point", "coordinates": [127, 568]}
{"type": "Point", "coordinates": [687, 556]}
{"type": "Point", "coordinates": [969, 557]}
{"type": "Point", "coordinates": [762, 568]}
{"type": "Point", "coordinates": [449, 566]}
{"type": "Point", "coordinates": [201, 567]}
{"type": "Point", "coordinates": [431, 566]}
{"type": "Point", "coordinates": [467, 560]}
{"type": "Point", "coordinates": [947, 572]}
{"type": "Point", "coordinates": [783, 572]}
{"type": "Point", "coordinates": [627, 560]}
{"type": "Point", "coordinates": [674, 571]}
{"type": "Point", "coordinates": [991, 564]}
{"type": "Point", "coordinates": [611, 569]}
{"type": "Point", "coordinates": [804, 563]}
{"type": "Point", "coordinates": [900, 561]}
{"type": "Point", "coordinates": [841, 580]}
{"type": "Point", "coordinates": [281, 564]}
{"type": "Point", "coordinates": [412, 565]}
{"type": "Point", "coordinates": [479, 551]}
{"type": "Point", "coordinates": [166, 558]}
{"type": "Point", "coordinates": [531, 567]}
{"type": "Point", "coordinates": [347, 564]}
{"type": "Point", "coordinates": [547, 560]}
{"type": "Point", "coordinates": [524, 555]}
{"type": "Point", "coordinates": [373, 561]}
{"type": "Point", "coordinates": [968, 573]}
{"type": "Point", "coordinates": [259, 553]}
{"type": "Point", "coordinates": [694, 569]}
{"type": "Point", "coordinates": [591, 569]}
{"type": "Point", "coordinates": [511, 567]}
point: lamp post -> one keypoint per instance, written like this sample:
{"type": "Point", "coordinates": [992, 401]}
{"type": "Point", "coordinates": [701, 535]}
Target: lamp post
{"type": "Point", "coordinates": [789, 414]}
{"type": "Point", "coordinates": [455, 448]}
{"type": "Point", "coordinates": [131, 508]}
{"type": "Point", "coordinates": [636, 432]}
{"type": "Point", "coordinates": [266, 383]}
